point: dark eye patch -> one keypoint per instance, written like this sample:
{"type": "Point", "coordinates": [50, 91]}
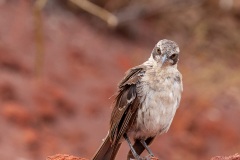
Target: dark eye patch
{"type": "Point", "coordinates": [174, 57]}
{"type": "Point", "coordinates": [159, 51]}
{"type": "Point", "coordinates": [156, 52]}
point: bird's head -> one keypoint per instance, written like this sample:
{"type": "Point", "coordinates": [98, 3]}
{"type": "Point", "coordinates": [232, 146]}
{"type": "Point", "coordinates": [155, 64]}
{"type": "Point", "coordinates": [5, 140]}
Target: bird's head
{"type": "Point", "coordinates": [165, 53]}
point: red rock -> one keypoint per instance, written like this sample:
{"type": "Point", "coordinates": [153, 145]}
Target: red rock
{"type": "Point", "coordinates": [233, 157]}
{"type": "Point", "coordinates": [64, 157]}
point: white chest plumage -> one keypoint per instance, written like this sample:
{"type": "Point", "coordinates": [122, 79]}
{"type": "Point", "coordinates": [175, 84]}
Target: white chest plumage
{"type": "Point", "coordinates": [159, 94]}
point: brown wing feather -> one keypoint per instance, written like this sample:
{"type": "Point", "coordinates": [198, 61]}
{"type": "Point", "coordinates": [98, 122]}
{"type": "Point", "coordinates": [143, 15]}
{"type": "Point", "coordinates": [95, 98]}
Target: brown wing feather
{"type": "Point", "coordinates": [126, 104]}
{"type": "Point", "coordinates": [132, 76]}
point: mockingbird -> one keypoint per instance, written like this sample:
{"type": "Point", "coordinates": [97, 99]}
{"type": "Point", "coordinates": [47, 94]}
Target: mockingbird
{"type": "Point", "coordinates": [146, 102]}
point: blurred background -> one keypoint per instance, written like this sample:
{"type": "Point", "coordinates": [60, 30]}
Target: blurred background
{"type": "Point", "coordinates": [60, 61]}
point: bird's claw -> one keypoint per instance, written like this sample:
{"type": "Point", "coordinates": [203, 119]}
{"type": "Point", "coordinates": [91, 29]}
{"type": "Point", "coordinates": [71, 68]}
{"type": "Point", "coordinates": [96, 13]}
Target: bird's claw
{"type": "Point", "coordinates": [150, 157]}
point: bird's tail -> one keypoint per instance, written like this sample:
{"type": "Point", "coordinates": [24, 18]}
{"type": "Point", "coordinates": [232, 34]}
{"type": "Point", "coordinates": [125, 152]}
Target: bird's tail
{"type": "Point", "coordinates": [106, 151]}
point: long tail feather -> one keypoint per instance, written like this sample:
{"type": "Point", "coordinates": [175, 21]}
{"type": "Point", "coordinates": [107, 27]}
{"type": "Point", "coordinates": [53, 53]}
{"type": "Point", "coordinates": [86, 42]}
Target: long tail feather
{"type": "Point", "coordinates": [106, 151]}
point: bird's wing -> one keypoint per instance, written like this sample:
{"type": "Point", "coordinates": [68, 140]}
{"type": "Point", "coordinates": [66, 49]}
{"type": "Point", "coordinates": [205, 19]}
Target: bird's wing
{"type": "Point", "coordinates": [126, 104]}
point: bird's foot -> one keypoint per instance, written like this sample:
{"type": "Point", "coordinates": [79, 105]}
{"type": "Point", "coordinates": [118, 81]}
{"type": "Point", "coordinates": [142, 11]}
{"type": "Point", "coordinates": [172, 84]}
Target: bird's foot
{"type": "Point", "coordinates": [138, 158]}
{"type": "Point", "coordinates": [150, 157]}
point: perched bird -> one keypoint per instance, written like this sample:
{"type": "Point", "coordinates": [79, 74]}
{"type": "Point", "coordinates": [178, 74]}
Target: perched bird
{"type": "Point", "coordinates": [146, 102]}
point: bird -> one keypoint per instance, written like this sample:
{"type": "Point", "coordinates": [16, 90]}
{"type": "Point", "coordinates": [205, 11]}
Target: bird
{"type": "Point", "coordinates": [145, 103]}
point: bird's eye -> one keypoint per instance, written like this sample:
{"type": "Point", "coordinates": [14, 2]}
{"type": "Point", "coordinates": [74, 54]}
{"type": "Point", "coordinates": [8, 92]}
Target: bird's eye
{"type": "Point", "coordinates": [173, 56]}
{"type": "Point", "coordinates": [159, 51]}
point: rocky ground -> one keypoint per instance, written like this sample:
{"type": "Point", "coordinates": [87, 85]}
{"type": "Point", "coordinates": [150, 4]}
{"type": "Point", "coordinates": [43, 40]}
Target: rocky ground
{"type": "Point", "coordinates": [69, 157]}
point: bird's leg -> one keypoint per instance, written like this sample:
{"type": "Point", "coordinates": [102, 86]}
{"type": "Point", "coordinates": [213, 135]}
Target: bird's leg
{"type": "Point", "coordinates": [146, 147]}
{"type": "Point", "coordinates": [131, 147]}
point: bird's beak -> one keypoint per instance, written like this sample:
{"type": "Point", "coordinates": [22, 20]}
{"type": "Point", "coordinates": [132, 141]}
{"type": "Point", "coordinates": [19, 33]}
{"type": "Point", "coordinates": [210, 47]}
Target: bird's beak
{"type": "Point", "coordinates": [164, 58]}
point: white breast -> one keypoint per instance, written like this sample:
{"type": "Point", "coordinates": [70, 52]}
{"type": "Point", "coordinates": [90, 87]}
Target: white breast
{"type": "Point", "coordinates": [160, 96]}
